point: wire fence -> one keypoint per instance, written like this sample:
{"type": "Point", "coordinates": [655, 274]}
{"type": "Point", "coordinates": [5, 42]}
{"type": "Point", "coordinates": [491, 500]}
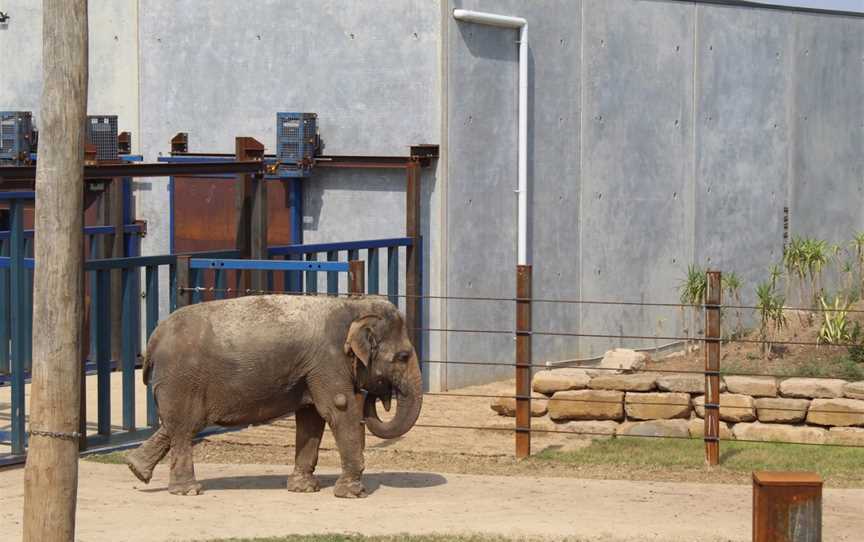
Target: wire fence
{"type": "Point", "coordinates": [707, 411]}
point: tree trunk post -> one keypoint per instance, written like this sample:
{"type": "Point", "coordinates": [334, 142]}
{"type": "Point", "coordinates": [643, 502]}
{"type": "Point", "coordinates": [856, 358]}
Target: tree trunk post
{"type": "Point", "coordinates": [51, 474]}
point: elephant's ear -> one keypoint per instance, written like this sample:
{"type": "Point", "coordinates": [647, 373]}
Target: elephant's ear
{"type": "Point", "coordinates": [361, 339]}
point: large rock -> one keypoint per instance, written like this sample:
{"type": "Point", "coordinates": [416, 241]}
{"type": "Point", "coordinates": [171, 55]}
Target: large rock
{"type": "Point", "coordinates": [591, 428]}
{"type": "Point", "coordinates": [850, 436]}
{"type": "Point", "coordinates": [733, 407]}
{"type": "Point", "coordinates": [655, 428]}
{"type": "Point", "coordinates": [548, 382]}
{"type": "Point", "coordinates": [623, 382]}
{"type": "Point", "coordinates": [812, 388]}
{"type": "Point", "coordinates": [757, 386]}
{"type": "Point", "coordinates": [657, 406]}
{"type": "Point", "coordinates": [623, 360]}
{"type": "Point", "coordinates": [697, 429]}
{"type": "Point", "coordinates": [767, 432]}
{"type": "Point", "coordinates": [587, 405]}
{"type": "Point", "coordinates": [854, 390]}
{"type": "Point", "coordinates": [779, 410]}
{"type": "Point", "coordinates": [506, 406]}
{"type": "Point", "coordinates": [836, 412]}
{"type": "Point", "coordinates": [684, 383]}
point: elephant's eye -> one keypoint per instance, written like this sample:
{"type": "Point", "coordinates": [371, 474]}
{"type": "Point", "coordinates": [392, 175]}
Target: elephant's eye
{"type": "Point", "coordinates": [403, 356]}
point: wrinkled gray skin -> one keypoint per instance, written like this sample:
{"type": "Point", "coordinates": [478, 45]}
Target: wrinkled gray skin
{"type": "Point", "coordinates": [252, 359]}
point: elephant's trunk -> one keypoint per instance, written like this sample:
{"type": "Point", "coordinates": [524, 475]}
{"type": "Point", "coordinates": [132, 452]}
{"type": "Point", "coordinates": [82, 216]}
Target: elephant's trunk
{"type": "Point", "coordinates": [409, 399]}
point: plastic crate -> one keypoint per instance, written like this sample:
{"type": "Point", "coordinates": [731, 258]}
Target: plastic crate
{"type": "Point", "coordinates": [16, 136]}
{"type": "Point", "coordinates": [102, 132]}
{"type": "Point", "coordinates": [297, 139]}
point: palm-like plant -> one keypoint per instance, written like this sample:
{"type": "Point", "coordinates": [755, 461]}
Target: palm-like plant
{"type": "Point", "coordinates": [772, 319]}
{"type": "Point", "coordinates": [692, 291]}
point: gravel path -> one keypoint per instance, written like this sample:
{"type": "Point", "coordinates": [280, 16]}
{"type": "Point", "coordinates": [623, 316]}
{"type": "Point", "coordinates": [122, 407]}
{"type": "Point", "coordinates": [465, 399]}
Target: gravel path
{"type": "Point", "coordinates": [250, 500]}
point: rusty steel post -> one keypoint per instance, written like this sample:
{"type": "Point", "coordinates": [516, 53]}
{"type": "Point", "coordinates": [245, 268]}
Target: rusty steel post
{"type": "Point", "coordinates": [523, 361]}
{"type": "Point", "coordinates": [413, 253]}
{"type": "Point", "coordinates": [356, 288]}
{"type": "Point", "coordinates": [184, 294]}
{"type": "Point", "coordinates": [251, 205]}
{"type": "Point", "coordinates": [712, 368]}
{"type": "Point", "coordinates": [787, 507]}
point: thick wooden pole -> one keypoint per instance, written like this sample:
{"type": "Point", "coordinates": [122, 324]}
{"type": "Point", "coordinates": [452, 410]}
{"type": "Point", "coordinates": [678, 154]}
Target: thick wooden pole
{"type": "Point", "coordinates": [51, 474]}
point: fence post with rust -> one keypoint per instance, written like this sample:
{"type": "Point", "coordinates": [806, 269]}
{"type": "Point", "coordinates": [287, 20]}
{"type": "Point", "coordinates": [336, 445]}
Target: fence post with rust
{"type": "Point", "coordinates": [712, 368]}
{"type": "Point", "coordinates": [523, 361]}
{"type": "Point", "coordinates": [184, 292]}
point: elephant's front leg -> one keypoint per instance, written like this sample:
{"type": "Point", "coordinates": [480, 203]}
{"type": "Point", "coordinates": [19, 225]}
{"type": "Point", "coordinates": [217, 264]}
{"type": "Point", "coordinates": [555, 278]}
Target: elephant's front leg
{"type": "Point", "coordinates": [344, 415]}
{"type": "Point", "coordinates": [310, 427]}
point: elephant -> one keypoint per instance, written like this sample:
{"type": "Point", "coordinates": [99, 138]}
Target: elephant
{"type": "Point", "coordinates": [249, 360]}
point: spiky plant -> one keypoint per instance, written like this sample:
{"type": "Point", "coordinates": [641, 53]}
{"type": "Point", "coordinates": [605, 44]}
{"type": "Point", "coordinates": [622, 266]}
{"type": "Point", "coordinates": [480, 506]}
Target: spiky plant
{"type": "Point", "coordinates": [771, 317]}
{"type": "Point", "coordinates": [692, 291]}
{"type": "Point", "coordinates": [836, 327]}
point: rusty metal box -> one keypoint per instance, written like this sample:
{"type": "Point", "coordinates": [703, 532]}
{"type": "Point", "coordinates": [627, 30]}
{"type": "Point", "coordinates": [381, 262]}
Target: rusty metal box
{"type": "Point", "coordinates": [787, 507]}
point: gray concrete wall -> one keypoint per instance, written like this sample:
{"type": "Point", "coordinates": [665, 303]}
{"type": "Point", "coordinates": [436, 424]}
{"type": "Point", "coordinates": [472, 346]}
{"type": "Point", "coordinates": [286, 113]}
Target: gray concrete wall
{"type": "Point", "coordinates": [663, 134]}
{"type": "Point", "coordinates": [113, 59]}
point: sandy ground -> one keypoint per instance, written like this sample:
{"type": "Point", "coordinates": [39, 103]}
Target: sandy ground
{"type": "Point", "coordinates": [250, 500]}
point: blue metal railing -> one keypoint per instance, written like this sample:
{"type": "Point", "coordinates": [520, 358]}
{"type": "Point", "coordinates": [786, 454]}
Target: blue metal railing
{"type": "Point", "coordinates": [300, 263]}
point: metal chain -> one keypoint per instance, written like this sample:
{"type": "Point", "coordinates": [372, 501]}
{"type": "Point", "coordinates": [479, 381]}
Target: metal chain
{"type": "Point", "coordinates": [74, 435]}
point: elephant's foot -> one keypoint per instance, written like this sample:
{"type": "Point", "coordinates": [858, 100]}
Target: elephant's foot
{"type": "Point", "coordinates": [300, 482]}
{"type": "Point", "coordinates": [186, 488]}
{"type": "Point", "coordinates": [139, 468]}
{"type": "Point", "coordinates": [349, 489]}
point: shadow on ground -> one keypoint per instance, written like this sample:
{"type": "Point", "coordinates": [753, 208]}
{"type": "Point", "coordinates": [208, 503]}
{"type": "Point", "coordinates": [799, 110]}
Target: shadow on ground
{"type": "Point", "coordinates": [401, 480]}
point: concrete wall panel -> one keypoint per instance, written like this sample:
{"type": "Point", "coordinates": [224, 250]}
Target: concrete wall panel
{"type": "Point", "coordinates": [743, 62]}
{"type": "Point", "coordinates": [636, 164]}
{"type": "Point", "coordinates": [113, 82]}
{"type": "Point", "coordinates": [828, 157]}
{"type": "Point", "coordinates": [482, 176]}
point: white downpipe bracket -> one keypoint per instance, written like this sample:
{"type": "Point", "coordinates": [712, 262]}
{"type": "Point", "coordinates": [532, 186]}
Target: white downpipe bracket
{"type": "Point", "coordinates": [504, 21]}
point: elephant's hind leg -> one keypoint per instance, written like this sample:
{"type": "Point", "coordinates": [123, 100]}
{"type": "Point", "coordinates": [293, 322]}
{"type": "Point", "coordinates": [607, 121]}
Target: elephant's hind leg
{"type": "Point", "coordinates": [310, 427]}
{"type": "Point", "coordinates": [182, 480]}
{"type": "Point", "coordinates": [143, 459]}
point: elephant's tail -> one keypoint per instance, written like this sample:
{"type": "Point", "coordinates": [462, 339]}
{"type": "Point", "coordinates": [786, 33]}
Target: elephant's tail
{"type": "Point", "coordinates": [146, 367]}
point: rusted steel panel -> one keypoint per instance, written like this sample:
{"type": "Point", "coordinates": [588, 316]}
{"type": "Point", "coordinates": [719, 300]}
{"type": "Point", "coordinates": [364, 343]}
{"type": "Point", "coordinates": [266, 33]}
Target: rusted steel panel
{"type": "Point", "coordinates": [787, 507]}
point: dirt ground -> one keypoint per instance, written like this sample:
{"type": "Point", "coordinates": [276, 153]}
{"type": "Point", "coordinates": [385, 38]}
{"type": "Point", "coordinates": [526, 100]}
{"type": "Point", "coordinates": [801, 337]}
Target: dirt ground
{"type": "Point", "coordinates": [251, 500]}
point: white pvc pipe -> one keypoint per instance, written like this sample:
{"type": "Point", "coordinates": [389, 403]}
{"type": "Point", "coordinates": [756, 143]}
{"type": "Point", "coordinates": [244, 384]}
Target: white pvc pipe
{"type": "Point", "coordinates": [504, 21]}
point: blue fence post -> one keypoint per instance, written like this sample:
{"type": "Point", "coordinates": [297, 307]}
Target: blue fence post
{"type": "Point", "coordinates": [152, 292]}
{"type": "Point", "coordinates": [28, 304]}
{"type": "Point", "coordinates": [4, 311]}
{"type": "Point", "coordinates": [129, 336]}
{"type": "Point", "coordinates": [332, 278]}
{"type": "Point", "coordinates": [103, 350]}
{"type": "Point", "coordinates": [372, 271]}
{"type": "Point", "coordinates": [172, 287]}
{"type": "Point", "coordinates": [311, 276]}
{"type": "Point", "coordinates": [19, 313]}
{"type": "Point", "coordinates": [94, 254]}
{"type": "Point", "coordinates": [393, 275]}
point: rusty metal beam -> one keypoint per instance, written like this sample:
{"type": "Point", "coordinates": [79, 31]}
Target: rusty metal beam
{"type": "Point", "coordinates": [158, 169]}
